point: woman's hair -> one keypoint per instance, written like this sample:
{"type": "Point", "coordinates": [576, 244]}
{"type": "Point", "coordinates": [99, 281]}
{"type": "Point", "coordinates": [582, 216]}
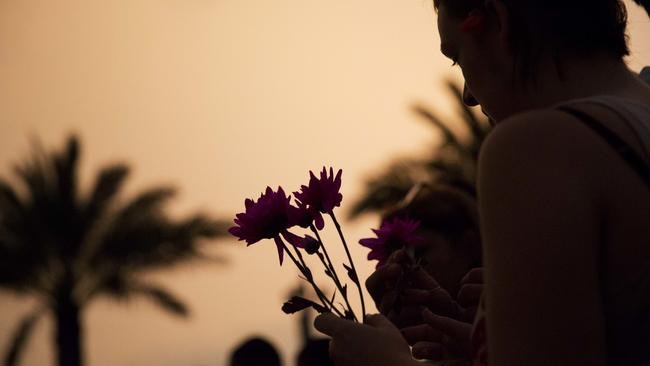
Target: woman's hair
{"type": "Point", "coordinates": [561, 28]}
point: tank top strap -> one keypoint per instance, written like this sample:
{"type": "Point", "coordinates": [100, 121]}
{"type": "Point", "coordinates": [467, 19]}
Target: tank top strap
{"type": "Point", "coordinates": [635, 115]}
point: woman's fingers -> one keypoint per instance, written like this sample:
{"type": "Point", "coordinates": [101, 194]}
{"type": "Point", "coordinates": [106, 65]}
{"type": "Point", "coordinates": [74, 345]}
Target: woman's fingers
{"type": "Point", "coordinates": [408, 315]}
{"type": "Point", "coordinates": [377, 342]}
{"type": "Point", "coordinates": [388, 302]}
{"type": "Point", "coordinates": [425, 297]}
{"type": "Point", "coordinates": [331, 324]}
{"type": "Point", "coordinates": [382, 280]}
{"type": "Point", "coordinates": [436, 299]}
{"type": "Point", "coordinates": [421, 333]}
{"type": "Point", "coordinates": [469, 295]}
{"type": "Point", "coordinates": [475, 275]}
{"type": "Point", "coordinates": [379, 321]}
{"type": "Point", "coordinates": [422, 280]}
{"type": "Point", "coordinates": [459, 332]}
{"type": "Point", "coordinates": [427, 351]}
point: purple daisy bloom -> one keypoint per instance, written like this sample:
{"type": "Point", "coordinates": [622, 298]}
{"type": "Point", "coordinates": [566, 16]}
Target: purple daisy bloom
{"type": "Point", "coordinates": [321, 195]}
{"type": "Point", "coordinates": [392, 235]}
{"type": "Point", "coordinates": [268, 218]}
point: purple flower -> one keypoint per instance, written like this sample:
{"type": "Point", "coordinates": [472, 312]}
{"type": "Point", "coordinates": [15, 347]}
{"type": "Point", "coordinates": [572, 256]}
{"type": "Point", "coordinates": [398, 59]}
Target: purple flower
{"type": "Point", "coordinates": [392, 235]}
{"type": "Point", "coordinates": [268, 218]}
{"type": "Point", "coordinates": [321, 196]}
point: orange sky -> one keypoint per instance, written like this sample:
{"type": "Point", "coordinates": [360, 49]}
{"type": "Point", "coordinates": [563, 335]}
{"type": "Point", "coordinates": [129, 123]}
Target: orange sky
{"type": "Point", "coordinates": [221, 98]}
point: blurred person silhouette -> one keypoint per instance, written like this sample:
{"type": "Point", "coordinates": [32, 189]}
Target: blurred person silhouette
{"type": "Point", "coordinates": [315, 353]}
{"type": "Point", "coordinates": [255, 351]}
{"type": "Point", "coordinates": [450, 248]}
{"type": "Point", "coordinates": [449, 226]}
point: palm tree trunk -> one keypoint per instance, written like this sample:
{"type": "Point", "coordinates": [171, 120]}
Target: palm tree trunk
{"type": "Point", "coordinates": [68, 333]}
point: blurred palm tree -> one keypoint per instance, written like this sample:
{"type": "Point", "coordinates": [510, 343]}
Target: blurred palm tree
{"type": "Point", "coordinates": [66, 247]}
{"type": "Point", "coordinates": [452, 162]}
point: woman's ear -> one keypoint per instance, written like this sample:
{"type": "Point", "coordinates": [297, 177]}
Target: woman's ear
{"type": "Point", "coordinates": [475, 21]}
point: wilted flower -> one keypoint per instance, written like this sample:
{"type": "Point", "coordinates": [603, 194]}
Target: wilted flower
{"type": "Point", "coordinates": [392, 235]}
{"type": "Point", "coordinates": [321, 196]}
{"type": "Point", "coordinates": [304, 216]}
{"type": "Point", "coordinates": [268, 218]}
{"type": "Point", "coordinates": [298, 303]}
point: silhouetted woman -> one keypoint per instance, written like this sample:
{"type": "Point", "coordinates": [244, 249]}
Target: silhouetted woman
{"type": "Point", "coordinates": [564, 191]}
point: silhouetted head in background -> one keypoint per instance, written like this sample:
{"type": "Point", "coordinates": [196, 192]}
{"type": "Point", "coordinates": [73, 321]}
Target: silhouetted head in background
{"type": "Point", "coordinates": [255, 352]}
{"type": "Point", "coordinates": [449, 226]}
{"type": "Point", "coordinates": [315, 353]}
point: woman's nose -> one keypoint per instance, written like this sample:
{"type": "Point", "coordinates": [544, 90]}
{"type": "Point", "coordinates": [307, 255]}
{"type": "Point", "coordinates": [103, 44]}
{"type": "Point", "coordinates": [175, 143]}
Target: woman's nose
{"type": "Point", "coordinates": [468, 98]}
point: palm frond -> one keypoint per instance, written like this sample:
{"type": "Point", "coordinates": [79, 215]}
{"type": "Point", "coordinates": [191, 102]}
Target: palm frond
{"type": "Point", "coordinates": [65, 172]}
{"type": "Point", "coordinates": [51, 220]}
{"type": "Point", "coordinates": [453, 163]}
{"type": "Point", "coordinates": [200, 226]}
{"type": "Point", "coordinates": [36, 174]}
{"type": "Point", "coordinates": [389, 187]}
{"type": "Point", "coordinates": [149, 239]}
{"type": "Point", "coordinates": [150, 202]}
{"type": "Point", "coordinates": [20, 337]}
{"type": "Point", "coordinates": [477, 128]}
{"type": "Point", "coordinates": [107, 186]}
{"type": "Point", "coordinates": [163, 298]}
{"type": "Point", "coordinates": [23, 258]}
{"type": "Point", "coordinates": [448, 136]}
{"type": "Point", "coordinates": [10, 202]}
{"type": "Point", "coordinates": [125, 286]}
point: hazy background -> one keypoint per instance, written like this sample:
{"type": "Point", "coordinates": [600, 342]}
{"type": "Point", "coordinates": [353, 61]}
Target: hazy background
{"type": "Point", "coordinates": [220, 98]}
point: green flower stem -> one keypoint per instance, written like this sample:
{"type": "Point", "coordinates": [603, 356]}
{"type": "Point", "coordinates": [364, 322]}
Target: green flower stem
{"type": "Point", "coordinates": [330, 266]}
{"type": "Point", "coordinates": [347, 251]}
{"type": "Point", "coordinates": [326, 303]}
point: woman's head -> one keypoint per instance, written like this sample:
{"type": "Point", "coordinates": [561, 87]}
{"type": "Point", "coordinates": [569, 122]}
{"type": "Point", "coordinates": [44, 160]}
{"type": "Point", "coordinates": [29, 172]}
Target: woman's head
{"type": "Point", "coordinates": [449, 226]}
{"type": "Point", "coordinates": [500, 44]}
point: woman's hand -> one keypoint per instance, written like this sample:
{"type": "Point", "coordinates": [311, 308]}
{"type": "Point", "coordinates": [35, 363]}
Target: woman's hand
{"type": "Point", "coordinates": [403, 304]}
{"type": "Point", "coordinates": [470, 293]}
{"type": "Point", "coordinates": [443, 338]}
{"type": "Point", "coordinates": [440, 338]}
{"type": "Point", "coordinates": [377, 342]}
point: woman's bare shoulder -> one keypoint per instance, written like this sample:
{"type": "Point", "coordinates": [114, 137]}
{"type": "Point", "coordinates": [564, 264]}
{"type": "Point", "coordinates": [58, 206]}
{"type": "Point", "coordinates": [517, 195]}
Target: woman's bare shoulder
{"type": "Point", "coordinates": [542, 136]}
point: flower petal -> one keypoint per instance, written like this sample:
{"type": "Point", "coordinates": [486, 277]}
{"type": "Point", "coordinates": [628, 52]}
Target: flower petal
{"type": "Point", "coordinates": [320, 223]}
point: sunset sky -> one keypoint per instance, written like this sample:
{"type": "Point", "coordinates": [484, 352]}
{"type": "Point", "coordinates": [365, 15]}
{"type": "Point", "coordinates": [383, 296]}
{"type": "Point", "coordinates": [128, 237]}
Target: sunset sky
{"type": "Point", "coordinates": [219, 98]}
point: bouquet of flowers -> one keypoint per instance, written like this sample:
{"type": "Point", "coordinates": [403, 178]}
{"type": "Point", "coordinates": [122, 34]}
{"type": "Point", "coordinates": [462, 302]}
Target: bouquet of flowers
{"type": "Point", "coordinates": [273, 215]}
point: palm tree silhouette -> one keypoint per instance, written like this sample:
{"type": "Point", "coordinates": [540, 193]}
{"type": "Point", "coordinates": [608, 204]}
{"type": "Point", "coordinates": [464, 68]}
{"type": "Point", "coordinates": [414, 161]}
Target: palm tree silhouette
{"type": "Point", "coordinates": [453, 162]}
{"type": "Point", "coordinates": [67, 247]}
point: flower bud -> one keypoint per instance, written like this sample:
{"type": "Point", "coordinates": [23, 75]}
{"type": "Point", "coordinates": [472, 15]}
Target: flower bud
{"type": "Point", "coordinates": [310, 244]}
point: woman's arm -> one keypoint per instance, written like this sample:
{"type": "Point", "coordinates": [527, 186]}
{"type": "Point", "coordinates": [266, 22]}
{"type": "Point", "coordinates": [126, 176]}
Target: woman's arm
{"type": "Point", "coordinates": [540, 225]}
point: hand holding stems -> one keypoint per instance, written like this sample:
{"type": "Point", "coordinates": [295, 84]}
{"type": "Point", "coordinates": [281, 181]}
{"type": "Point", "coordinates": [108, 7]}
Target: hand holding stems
{"type": "Point", "coordinates": [376, 342]}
